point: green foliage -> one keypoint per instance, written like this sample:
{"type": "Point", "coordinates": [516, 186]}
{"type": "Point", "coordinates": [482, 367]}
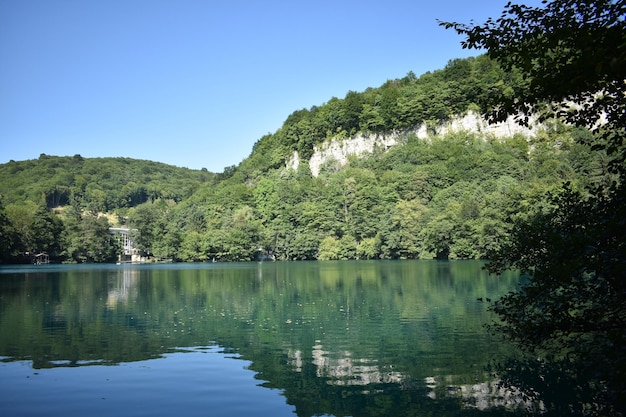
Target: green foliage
{"type": "Point", "coordinates": [329, 249]}
{"type": "Point", "coordinates": [571, 54]}
{"type": "Point", "coordinates": [368, 248]}
{"type": "Point", "coordinates": [30, 229]}
{"type": "Point", "coordinates": [402, 237]}
{"type": "Point", "coordinates": [86, 238]}
{"type": "Point", "coordinates": [7, 235]}
{"type": "Point", "coordinates": [571, 315]}
{"type": "Point", "coordinates": [397, 105]}
{"type": "Point", "coordinates": [573, 307]}
{"type": "Point", "coordinates": [446, 197]}
{"type": "Point", "coordinates": [97, 184]}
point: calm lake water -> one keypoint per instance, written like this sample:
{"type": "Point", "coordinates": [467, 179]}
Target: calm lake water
{"type": "Point", "coordinates": [364, 338]}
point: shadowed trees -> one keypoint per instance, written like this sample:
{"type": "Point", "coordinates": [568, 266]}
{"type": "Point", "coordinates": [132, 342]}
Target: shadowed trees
{"type": "Point", "coordinates": [571, 316]}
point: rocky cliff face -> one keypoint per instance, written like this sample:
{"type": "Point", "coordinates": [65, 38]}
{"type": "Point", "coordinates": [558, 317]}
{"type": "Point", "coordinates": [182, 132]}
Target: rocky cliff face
{"type": "Point", "coordinates": [339, 150]}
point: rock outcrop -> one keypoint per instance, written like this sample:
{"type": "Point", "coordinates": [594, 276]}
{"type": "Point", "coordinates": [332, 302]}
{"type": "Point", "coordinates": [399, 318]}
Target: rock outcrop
{"type": "Point", "coordinates": [340, 150]}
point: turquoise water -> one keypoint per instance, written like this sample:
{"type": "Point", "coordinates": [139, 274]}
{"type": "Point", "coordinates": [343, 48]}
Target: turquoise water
{"type": "Point", "coordinates": [360, 338]}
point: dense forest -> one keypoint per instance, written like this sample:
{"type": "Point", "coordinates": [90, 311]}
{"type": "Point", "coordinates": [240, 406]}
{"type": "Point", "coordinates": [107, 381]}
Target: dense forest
{"type": "Point", "coordinates": [551, 205]}
{"type": "Point", "coordinates": [65, 205]}
{"type": "Point", "coordinates": [452, 196]}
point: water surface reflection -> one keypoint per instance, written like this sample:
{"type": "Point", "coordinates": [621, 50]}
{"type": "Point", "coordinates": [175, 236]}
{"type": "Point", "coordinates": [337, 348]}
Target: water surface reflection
{"type": "Point", "coordinates": [337, 338]}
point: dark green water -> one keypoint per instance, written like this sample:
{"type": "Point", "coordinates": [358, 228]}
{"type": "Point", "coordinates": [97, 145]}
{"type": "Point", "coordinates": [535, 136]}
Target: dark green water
{"type": "Point", "coordinates": [366, 338]}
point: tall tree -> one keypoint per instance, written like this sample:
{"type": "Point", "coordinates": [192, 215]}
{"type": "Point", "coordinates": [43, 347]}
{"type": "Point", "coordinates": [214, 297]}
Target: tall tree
{"type": "Point", "coordinates": [7, 235]}
{"type": "Point", "coordinates": [86, 238]}
{"type": "Point", "coordinates": [572, 313]}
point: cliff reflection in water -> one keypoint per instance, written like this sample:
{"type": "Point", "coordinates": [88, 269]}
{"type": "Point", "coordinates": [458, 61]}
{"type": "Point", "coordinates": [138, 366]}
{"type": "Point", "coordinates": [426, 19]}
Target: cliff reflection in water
{"type": "Point", "coordinates": [346, 370]}
{"type": "Point", "coordinates": [319, 331]}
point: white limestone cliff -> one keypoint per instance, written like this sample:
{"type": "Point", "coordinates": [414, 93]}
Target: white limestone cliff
{"type": "Point", "coordinates": [340, 150]}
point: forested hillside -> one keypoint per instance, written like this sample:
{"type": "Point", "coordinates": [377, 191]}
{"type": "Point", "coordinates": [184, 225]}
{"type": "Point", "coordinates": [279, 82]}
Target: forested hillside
{"type": "Point", "coordinates": [455, 196]}
{"type": "Point", "coordinates": [100, 184]}
{"type": "Point", "coordinates": [56, 204]}
{"type": "Point", "coordinates": [397, 105]}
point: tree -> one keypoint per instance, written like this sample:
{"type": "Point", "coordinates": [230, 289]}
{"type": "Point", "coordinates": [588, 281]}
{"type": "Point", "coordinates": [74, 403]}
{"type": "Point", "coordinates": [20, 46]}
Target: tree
{"type": "Point", "coordinates": [571, 315]}
{"type": "Point", "coordinates": [242, 238]}
{"type": "Point", "coordinates": [168, 244]}
{"type": "Point", "coordinates": [192, 247]}
{"type": "Point", "coordinates": [34, 228]}
{"type": "Point", "coordinates": [145, 219]}
{"type": "Point", "coordinates": [7, 235]}
{"type": "Point", "coordinates": [330, 249]}
{"type": "Point", "coordinates": [404, 234]}
{"type": "Point", "coordinates": [571, 55]}
{"type": "Point", "coordinates": [87, 238]}
{"type": "Point", "coordinates": [47, 228]}
{"type": "Point", "coordinates": [368, 248]}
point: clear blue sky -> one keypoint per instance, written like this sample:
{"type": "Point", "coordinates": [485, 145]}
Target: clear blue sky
{"type": "Point", "coordinates": [195, 83]}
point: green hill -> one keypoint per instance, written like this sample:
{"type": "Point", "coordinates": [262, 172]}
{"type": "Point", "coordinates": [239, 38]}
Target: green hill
{"type": "Point", "coordinates": [103, 184]}
{"type": "Point", "coordinates": [444, 196]}
{"type": "Point", "coordinates": [397, 105]}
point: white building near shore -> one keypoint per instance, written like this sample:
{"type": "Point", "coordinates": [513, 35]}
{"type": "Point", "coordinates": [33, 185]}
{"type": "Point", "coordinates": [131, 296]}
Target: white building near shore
{"type": "Point", "coordinates": [129, 251]}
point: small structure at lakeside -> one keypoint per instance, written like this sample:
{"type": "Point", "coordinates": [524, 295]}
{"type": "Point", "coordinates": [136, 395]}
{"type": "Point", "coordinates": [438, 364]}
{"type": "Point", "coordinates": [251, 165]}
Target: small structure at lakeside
{"type": "Point", "coordinates": [130, 253]}
{"type": "Point", "coordinates": [41, 258]}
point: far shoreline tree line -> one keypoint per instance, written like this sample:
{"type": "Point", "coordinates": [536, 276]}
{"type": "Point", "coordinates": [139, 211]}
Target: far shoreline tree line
{"type": "Point", "coordinates": [451, 197]}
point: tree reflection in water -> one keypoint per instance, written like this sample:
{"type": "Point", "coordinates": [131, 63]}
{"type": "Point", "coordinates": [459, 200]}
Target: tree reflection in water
{"type": "Point", "coordinates": [336, 338]}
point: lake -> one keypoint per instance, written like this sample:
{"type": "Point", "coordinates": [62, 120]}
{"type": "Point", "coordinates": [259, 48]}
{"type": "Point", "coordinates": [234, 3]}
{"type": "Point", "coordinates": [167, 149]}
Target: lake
{"type": "Point", "coordinates": [362, 338]}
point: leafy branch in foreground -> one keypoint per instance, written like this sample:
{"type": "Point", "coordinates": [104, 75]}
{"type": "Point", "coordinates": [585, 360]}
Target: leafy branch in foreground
{"type": "Point", "coordinates": [571, 56]}
{"type": "Point", "coordinates": [572, 312]}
